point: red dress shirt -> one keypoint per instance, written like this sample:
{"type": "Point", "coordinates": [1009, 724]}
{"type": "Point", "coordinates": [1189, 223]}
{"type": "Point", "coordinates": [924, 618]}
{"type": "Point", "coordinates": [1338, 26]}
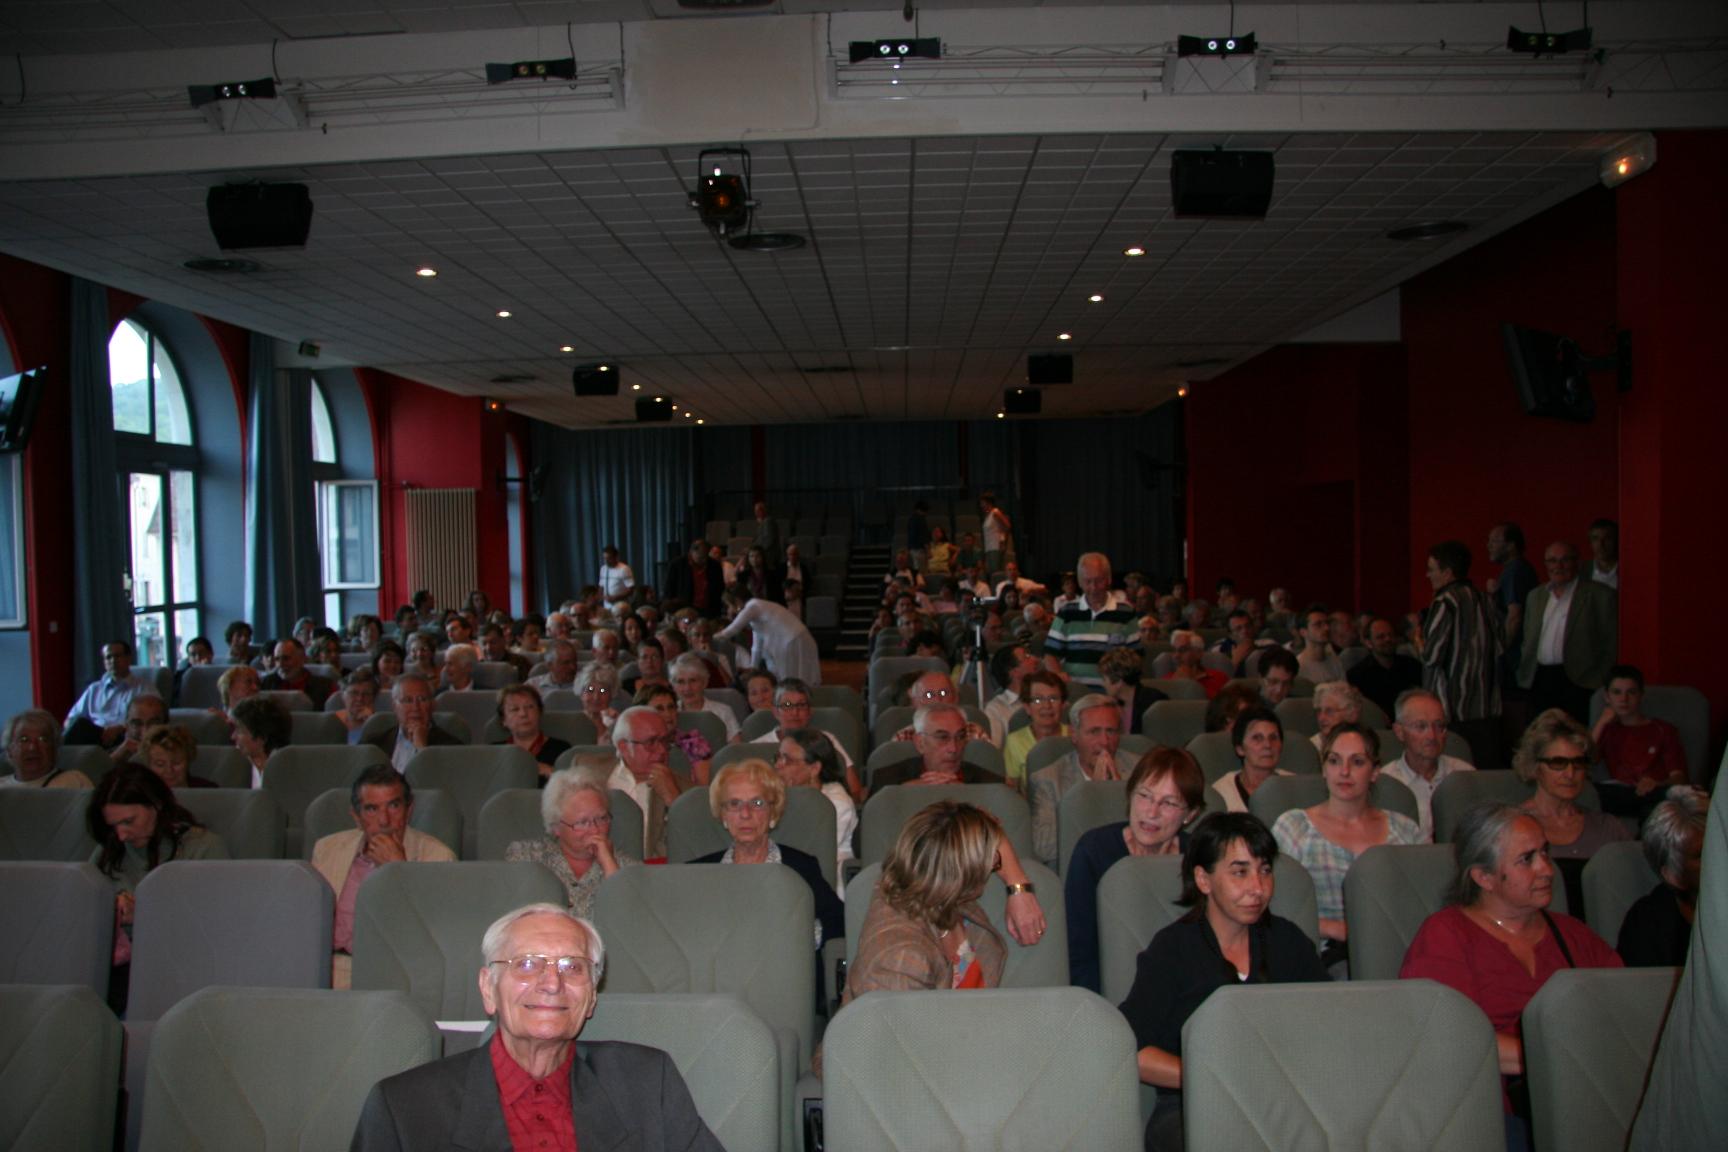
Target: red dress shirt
{"type": "Point", "coordinates": [536, 1112]}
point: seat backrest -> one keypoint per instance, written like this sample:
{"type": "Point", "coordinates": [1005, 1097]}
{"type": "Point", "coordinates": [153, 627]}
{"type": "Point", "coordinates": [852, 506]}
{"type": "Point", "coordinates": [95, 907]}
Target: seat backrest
{"type": "Point", "coordinates": [1589, 1039]}
{"type": "Point", "coordinates": [417, 927]}
{"type": "Point", "coordinates": [1388, 892]}
{"type": "Point", "coordinates": [261, 1068]}
{"type": "Point", "coordinates": [1084, 807]}
{"type": "Point", "coordinates": [316, 728]}
{"type": "Point", "coordinates": [44, 824]}
{"type": "Point", "coordinates": [842, 696]}
{"type": "Point", "coordinates": [1173, 723]}
{"type": "Point", "coordinates": [724, 1051]}
{"type": "Point", "coordinates": [1297, 715]}
{"type": "Point", "coordinates": [290, 700]}
{"type": "Point", "coordinates": [714, 928]}
{"type": "Point", "coordinates": [250, 822]}
{"type": "Point", "coordinates": [808, 824]}
{"type": "Point", "coordinates": [888, 809]}
{"type": "Point", "coordinates": [1405, 1064]}
{"type": "Point", "coordinates": [297, 776]}
{"type": "Point", "coordinates": [1616, 878]}
{"type": "Point", "coordinates": [60, 1046]}
{"type": "Point", "coordinates": [198, 686]}
{"type": "Point", "coordinates": [59, 924]}
{"type": "Point", "coordinates": [1041, 965]}
{"type": "Point", "coordinates": [491, 675]}
{"type": "Point", "coordinates": [1046, 752]}
{"type": "Point", "coordinates": [1282, 793]}
{"type": "Point", "coordinates": [1137, 899]}
{"type": "Point", "coordinates": [902, 1070]}
{"type": "Point", "coordinates": [435, 814]}
{"type": "Point", "coordinates": [713, 728]}
{"type": "Point", "coordinates": [514, 814]}
{"type": "Point", "coordinates": [571, 727]}
{"type": "Point", "coordinates": [470, 776]}
{"type": "Point", "coordinates": [260, 923]}
{"type": "Point", "coordinates": [475, 705]}
{"type": "Point", "coordinates": [1461, 791]}
{"type": "Point", "coordinates": [382, 726]}
{"type": "Point", "coordinates": [1391, 748]}
{"type": "Point", "coordinates": [207, 727]}
{"type": "Point", "coordinates": [224, 767]}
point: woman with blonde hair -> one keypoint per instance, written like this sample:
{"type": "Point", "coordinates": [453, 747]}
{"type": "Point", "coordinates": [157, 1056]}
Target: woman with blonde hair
{"type": "Point", "coordinates": [168, 750]}
{"type": "Point", "coordinates": [1555, 754]}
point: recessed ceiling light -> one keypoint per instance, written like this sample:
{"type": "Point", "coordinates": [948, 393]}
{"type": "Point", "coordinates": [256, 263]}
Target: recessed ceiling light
{"type": "Point", "coordinates": [1182, 391]}
{"type": "Point", "coordinates": [635, 387]}
{"type": "Point", "coordinates": [1095, 298]}
{"type": "Point", "coordinates": [1135, 250]}
{"type": "Point", "coordinates": [605, 368]}
{"type": "Point", "coordinates": [1428, 230]}
{"type": "Point", "coordinates": [1065, 336]}
{"type": "Point", "coordinates": [566, 348]}
{"type": "Point", "coordinates": [1000, 415]}
{"type": "Point", "coordinates": [700, 421]}
{"type": "Point", "coordinates": [428, 272]}
{"type": "Point", "coordinates": [503, 313]}
{"type": "Point", "coordinates": [688, 413]}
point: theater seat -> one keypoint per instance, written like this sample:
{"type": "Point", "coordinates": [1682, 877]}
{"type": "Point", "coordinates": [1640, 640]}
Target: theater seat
{"type": "Point", "coordinates": [1682, 706]}
{"type": "Point", "coordinates": [434, 814]}
{"type": "Point", "coordinates": [888, 810]}
{"type": "Point", "coordinates": [470, 777]}
{"type": "Point", "coordinates": [808, 825]}
{"type": "Point", "coordinates": [254, 1069]}
{"type": "Point", "coordinates": [1388, 892]}
{"type": "Point", "coordinates": [1461, 791]}
{"type": "Point", "coordinates": [1282, 793]}
{"type": "Point", "coordinates": [1397, 1064]}
{"type": "Point", "coordinates": [44, 824]}
{"type": "Point", "coordinates": [1030, 1069]}
{"type": "Point", "coordinates": [1616, 878]}
{"type": "Point", "coordinates": [514, 814]}
{"type": "Point", "coordinates": [60, 1047]}
{"type": "Point", "coordinates": [1173, 723]}
{"type": "Point", "coordinates": [59, 925]}
{"type": "Point", "coordinates": [417, 927]}
{"type": "Point", "coordinates": [1589, 1038]}
{"type": "Point", "coordinates": [1084, 807]}
{"type": "Point", "coordinates": [250, 822]}
{"type": "Point", "coordinates": [724, 1051]}
{"type": "Point", "coordinates": [298, 776]}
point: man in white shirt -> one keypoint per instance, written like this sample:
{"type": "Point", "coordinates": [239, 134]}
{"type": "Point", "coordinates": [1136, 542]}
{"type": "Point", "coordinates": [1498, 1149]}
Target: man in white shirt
{"type": "Point", "coordinates": [101, 710]}
{"type": "Point", "coordinates": [616, 578]}
{"type": "Point", "coordinates": [643, 773]}
{"type": "Point", "coordinates": [560, 671]}
{"type": "Point", "coordinates": [1420, 722]}
{"type": "Point", "coordinates": [1571, 636]}
{"type": "Point", "coordinates": [779, 641]}
{"type": "Point", "coordinates": [1605, 553]}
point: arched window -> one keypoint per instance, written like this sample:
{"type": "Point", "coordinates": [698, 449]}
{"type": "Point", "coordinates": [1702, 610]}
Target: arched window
{"type": "Point", "coordinates": [323, 432]}
{"type": "Point", "coordinates": [158, 475]}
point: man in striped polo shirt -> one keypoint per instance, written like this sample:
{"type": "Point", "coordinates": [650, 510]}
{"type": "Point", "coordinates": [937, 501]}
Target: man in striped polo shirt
{"type": "Point", "coordinates": [1099, 620]}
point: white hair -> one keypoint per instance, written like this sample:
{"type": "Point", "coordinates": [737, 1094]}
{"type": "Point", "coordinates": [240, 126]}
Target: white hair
{"type": "Point", "coordinates": [565, 783]}
{"type": "Point", "coordinates": [492, 943]}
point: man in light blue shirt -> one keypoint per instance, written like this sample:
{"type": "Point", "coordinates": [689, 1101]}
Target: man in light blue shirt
{"type": "Point", "coordinates": [101, 710]}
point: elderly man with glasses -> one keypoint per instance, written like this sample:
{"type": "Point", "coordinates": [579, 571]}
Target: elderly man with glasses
{"type": "Point", "coordinates": [941, 732]}
{"type": "Point", "coordinates": [1095, 726]}
{"type": "Point", "coordinates": [643, 740]}
{"type": "Point", "coordinates": [530, 1087]}
{"type": "Point", "coordinates": [792, 713]}
{"type": "Point", "coordinates": [938, 688]}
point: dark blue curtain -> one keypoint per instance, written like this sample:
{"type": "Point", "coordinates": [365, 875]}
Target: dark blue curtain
{"type": "Point", "coordinates": [1104, 485]}
{"type": "Point", "coordinates": [283, 576]}
{"type": "Point", "coordinates": [629, 487]}
{"type": "Point", "coordinates": [102, 613]}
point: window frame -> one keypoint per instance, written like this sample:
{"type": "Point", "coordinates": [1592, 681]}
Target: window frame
{"type": "Point", "coordinates": [14, 464]}
{"type": "Point", "coordinates": [326, 490]}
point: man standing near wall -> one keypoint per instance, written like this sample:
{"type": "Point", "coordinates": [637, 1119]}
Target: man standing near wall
{"type": "Point", "coordinates": [1461, 649]}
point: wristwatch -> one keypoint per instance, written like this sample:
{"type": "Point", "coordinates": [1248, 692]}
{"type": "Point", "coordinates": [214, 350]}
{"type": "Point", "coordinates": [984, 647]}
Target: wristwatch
{"type": "Point", "coordinates": [1027, 887]}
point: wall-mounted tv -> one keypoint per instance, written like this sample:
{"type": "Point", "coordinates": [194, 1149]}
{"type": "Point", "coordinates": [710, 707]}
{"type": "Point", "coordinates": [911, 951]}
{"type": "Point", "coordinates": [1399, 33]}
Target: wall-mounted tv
{"type": "Point", "coordinates": [20, 393]}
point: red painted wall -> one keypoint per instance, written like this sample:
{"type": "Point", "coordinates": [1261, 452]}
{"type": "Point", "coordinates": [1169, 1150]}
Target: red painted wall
{"type": "Point", "coordinates": [1294, 460]}
{"type": "Point", "coordinates": [427, 438]}
{"type": "Point", "coordinates": [35, 311]}
{"type": "Point", "coordinates": [1673, 241]}
{"type": "Point", "coordinates": [1478, 458]}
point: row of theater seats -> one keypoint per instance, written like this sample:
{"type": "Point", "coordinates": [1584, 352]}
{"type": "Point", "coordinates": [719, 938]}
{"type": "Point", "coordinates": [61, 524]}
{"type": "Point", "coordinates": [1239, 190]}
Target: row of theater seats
{"type": "Point", "coordinates": [1036, 1065]}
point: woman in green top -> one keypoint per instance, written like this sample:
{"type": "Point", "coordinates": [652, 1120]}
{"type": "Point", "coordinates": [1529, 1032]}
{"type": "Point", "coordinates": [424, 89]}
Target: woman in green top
{"type": "Point", "coordinates": [137, 825]}
{"type": "Point", "coordinates": [1041, 697]}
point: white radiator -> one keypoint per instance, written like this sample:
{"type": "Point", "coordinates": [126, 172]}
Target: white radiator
{"type": "Point", "coordinates": [441, 543]}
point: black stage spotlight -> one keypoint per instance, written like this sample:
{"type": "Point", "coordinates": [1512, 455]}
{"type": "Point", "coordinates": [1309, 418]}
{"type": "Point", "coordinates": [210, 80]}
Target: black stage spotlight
{"type": "Point", "coordinates": [1022, 401]}
{"type": "Point", "coordinates": [653, 410]}
{"type": "Point", "coordinates": [203, 94]}
{"type": "Point", "coordinates": [563, 68]}
{"type": "Point", "coordinates": [595, 379]}
{"type": "Point", "coordinates": [893, 51]}
{"type": "Point", "coordinates": [722, 198]}
{"type": "Point", "coordinates": [1242, 45]}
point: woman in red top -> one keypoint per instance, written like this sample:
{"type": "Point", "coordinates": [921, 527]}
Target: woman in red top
{"type": "Point", "coordinates": [1496, 941]}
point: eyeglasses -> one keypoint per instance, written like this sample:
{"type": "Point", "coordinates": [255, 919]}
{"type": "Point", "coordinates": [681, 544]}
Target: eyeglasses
{"type": "Point", "coordinates": [529, 967]}
{"type": "Point", "coordinates": [792, 706]}
{"type": "Point", "coordinates": [738, 804]}
{"type": "Point", "coordinates": [1564, 763]}
{"type": "Point", "coordinates": [589, 824]}
{"type": "Point", "coordinates": [25, 739]}
{"type": "Point", "coordinates": [938, 736]}
{"type": "Point", "coordinates": [935, 694]}
{"type": "Point", "coordinates": [1044, 700]}
{"type": "Point", "coordinates": [1163, 803]}
{"type": "Point", "coordinates": [1425, 725]}
{"type": "Point", "coordinates": [597, 689]}
{"type": "Point", "coordinates": [655, 742]}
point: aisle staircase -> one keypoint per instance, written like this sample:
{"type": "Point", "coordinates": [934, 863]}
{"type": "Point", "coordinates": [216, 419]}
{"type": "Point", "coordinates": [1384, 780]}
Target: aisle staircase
{"type": "Point", "coordinates": [864, 575]}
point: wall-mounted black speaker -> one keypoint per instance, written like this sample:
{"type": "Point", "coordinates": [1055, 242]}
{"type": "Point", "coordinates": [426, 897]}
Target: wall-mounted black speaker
{"type": "Point", "coordinates": [595, 379]}
{"type": "Point", "coordinates": [1220, 183]}
{"type": "Point", "coordinates": [1022, 402]}
{"type": "Point", "coordinates": [653, 410]}
{"type": "Point", "coordinates": [259, 215]}
{"type": "Point", "coordinates": [1049, 368]}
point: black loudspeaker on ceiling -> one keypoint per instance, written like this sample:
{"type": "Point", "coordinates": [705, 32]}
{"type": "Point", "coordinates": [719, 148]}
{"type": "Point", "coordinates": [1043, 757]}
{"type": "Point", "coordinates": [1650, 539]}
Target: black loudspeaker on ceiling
{"type": "Point", "coordinates": [259, 215]}
{"type": "Point", "coordinates": [1220, 183]}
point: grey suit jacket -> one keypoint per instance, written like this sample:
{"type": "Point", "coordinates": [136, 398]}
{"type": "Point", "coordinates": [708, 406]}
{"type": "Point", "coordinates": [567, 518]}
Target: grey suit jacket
{"type": "Point", "coordinates": [1592, 633]}
{"type": "Point", "coordinates": [626, 1098]}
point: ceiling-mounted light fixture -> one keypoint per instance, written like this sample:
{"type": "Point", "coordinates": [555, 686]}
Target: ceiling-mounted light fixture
{"type": "Point", "coordinates": [722, 199]}
{"type": "Point", "coordinates": [203, 94]}
{"type": "Point", "coordinates": [1232, 45]}
{"type": "Point", "coordinates": [563, 68]}
{"type": "Point", "coordinates": [1636, 157]}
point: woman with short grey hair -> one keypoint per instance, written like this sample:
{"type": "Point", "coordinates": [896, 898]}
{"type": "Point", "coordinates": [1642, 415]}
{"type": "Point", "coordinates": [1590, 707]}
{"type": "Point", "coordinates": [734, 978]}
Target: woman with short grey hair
{"type": "Point", "coordinates": [1555, 754]}
{"type": "Point", "coordinates": [576, 809]}
{"type": "Point", "coordinates": [597, 686]}
{"type": "Point", "coordinates": [1657, 930]}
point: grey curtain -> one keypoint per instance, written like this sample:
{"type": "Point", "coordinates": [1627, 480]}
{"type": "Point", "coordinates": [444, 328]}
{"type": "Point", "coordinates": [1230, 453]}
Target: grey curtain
{"type": "Point", "coordinates": [102, 612]}
{"type": "Point", "coordinates": [283, 577]}
{"type": "Point", "coordinates": [629, 487]}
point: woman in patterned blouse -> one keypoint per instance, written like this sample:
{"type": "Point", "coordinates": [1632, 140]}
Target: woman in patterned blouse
{"type": "Point", "coordinates": [577, 846]}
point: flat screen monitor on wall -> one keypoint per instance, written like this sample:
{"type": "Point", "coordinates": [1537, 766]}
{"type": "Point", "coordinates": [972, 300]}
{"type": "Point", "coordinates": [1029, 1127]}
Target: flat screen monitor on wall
{"type": "Point", "coordinates": [19, 395]}
{"type": "Point", "coordinates": [1551, 374]}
